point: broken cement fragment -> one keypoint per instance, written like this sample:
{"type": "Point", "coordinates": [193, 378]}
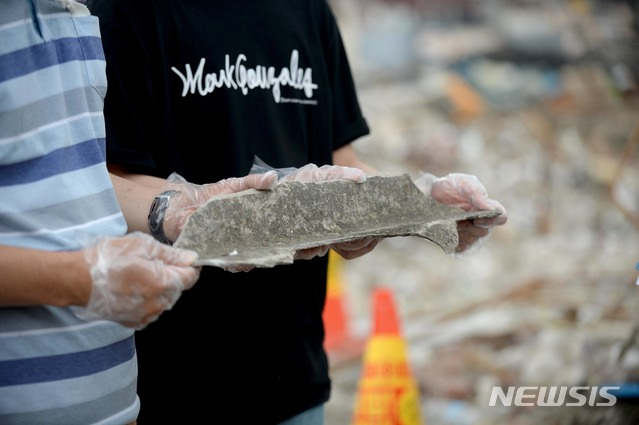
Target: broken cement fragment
{"type": "Point", "coordinates": [266, 228]}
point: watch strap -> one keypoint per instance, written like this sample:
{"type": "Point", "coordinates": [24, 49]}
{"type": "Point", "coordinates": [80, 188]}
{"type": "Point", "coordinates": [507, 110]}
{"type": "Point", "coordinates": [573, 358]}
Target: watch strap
{"type": "Point", "coordinates": [156, 215]}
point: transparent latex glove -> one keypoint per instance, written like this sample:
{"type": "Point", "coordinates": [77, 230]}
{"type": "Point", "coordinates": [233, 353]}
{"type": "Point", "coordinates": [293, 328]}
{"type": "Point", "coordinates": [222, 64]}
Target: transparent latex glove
{"type": "Point", "coordinates": [191, 196]}
{"type": "Point", "coordinates": [136, 278]}
{"type": "Point", "coordinates": [313, 173]}
{"type": "Point", "coordinates": [466, 192]}
{"type": "Point", "coordinates": [309, 172]}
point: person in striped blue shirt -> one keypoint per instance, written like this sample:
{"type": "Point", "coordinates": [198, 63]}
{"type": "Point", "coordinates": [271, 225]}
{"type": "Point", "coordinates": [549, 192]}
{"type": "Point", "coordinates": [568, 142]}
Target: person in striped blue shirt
{"type": "Point", "coordinates": [79, 272]}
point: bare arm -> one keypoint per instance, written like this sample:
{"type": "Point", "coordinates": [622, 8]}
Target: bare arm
{"type": "Point", "coordinates": [346, 157]}
{"type": "Point", "coordinates": [34, 277]}
{"type": "Point", "coordinates": [135, 193]}
{"type": "Point", "coordinates": [142, 179]}
{"type": "Point", "coordinates": [37, 277]}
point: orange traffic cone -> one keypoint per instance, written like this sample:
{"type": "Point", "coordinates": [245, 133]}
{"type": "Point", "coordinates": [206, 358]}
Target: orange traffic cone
{"type": "Point", "coordinates": [387, 393]}
{"type": "Point", "coordinates": [336, 328]}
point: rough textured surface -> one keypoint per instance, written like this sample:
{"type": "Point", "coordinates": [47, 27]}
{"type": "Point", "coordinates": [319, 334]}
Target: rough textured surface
{"type": "Point", "coordinates": [265, 228]}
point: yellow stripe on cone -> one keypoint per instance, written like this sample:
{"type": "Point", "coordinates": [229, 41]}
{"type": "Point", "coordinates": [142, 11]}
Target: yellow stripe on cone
{"type": "Point", "coordinates": [387, 393]}
{"type": "Point", "coordinates": [336, 328]}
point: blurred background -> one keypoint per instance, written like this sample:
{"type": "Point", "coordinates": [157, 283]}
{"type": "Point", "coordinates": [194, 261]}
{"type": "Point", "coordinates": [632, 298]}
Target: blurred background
{"type": "Point", "coordinates": [540, 101]}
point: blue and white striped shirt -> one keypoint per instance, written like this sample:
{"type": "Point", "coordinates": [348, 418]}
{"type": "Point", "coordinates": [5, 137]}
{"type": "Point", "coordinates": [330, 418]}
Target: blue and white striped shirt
{"type": "Point", "coordinates": [55, 193]}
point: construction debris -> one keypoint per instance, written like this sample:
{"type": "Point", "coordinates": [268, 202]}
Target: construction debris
{"type": "Point", "coordinates": [552, 131]}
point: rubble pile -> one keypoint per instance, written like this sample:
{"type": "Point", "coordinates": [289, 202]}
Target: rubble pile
{"type": "Point", "coordinates": [540, 101]}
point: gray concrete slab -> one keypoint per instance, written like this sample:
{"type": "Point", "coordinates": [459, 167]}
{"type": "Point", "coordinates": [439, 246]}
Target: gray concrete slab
{"type": "Point", "coordinates": [266, 228]}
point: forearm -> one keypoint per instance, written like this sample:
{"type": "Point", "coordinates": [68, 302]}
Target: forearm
{"type": "Point", "coordinates": [346, 157]}
{"type": "Point", "coordinates": [142, 179]}
{"type": "Point", "coordinates": [34, 277]}
{"type": "Point", "coordinates": [135, 193]}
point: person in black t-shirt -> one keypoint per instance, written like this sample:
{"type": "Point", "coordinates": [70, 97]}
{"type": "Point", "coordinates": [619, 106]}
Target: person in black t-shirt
{"type": "Point", "coordinates": [201, 88]}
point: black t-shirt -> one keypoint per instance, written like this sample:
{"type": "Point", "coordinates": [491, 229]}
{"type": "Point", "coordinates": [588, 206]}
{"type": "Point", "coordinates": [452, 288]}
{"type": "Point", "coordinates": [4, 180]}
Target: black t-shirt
{"type": "Point", "coordinates": [200, 88]}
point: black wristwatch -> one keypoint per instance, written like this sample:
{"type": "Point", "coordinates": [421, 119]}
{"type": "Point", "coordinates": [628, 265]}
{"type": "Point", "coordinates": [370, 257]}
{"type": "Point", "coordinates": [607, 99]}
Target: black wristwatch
{"type": "Point", "coordinates": [156, 215]}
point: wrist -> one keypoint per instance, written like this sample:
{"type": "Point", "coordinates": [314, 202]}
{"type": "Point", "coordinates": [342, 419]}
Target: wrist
{"type": "Point", "coordinates": [72, 272]}
{"type": "Point", "coordinates": [156, 215]}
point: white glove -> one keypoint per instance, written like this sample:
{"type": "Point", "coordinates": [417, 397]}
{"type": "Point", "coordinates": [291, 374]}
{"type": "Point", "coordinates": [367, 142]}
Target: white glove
{"type": "Point", "coordinates": [136, 278]}
{"type": "Point", "coordinates": [466, 192]}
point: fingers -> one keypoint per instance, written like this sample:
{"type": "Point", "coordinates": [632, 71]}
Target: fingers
{"type": "Point", "coordinates": [466, 192]}
{"type": "Point", "coordinates": [309, 253]}
{"type": "Point", "coordinates": [354, 249]}
{"type": "Point", "coordinates": [460, 190]}
{"type": "Point", "coordinates": [445, 192]}
{"type": "Point", "coordinates": [335, 172]}
{"type": "Point", "coordinates": [263, 181]}
{"type": "Point", "coordinates": [239, 268]}
{"type": "Point", "coordinates": [307, 173]}
{"type": "Point", "coordinates": [174, 256]}
{"type": "Point", "coordinates": [135, 279]}
{"type": "Point", "coordinates": [491, 204]}
{"type": "Point", "coordinates": [156, 298]}
{"type": "Point", "coordinates": [491, 222]}
{"type": "Point", "coordinates": [348, 250]}
{"type": "Point", "coordinates": [182, 277]}
{"type": "Point", "coordinates": [312, 173]}
{"type": "Point", "coordinates": [469, 235]}
{"type": "Point", "coordinates": [355, 245]}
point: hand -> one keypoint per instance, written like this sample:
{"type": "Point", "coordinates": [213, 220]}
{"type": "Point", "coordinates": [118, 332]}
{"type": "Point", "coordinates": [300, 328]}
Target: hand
{"type": "Point", "coordinates": [348, 250]}
{"type": "Point", "coordinates": [354, 249]}
{"type": "Point", "coordinates": [313, 173]}
{"type": "Point", "coordinates": [192, 196]}
{"type": "Point", "coordinates": [466, 192]}
{"type": "Point", "coordinates": [136, 278]}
